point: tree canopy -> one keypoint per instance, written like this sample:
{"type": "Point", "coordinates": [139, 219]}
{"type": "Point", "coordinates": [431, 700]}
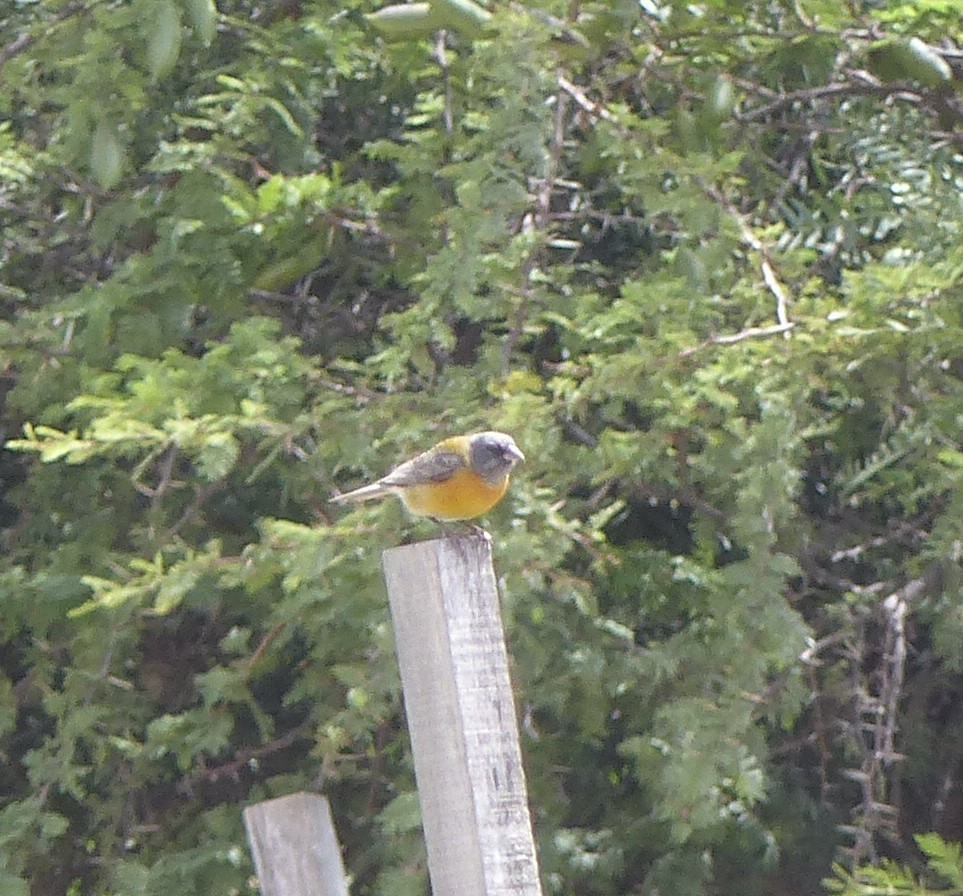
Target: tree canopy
{"type": "Point", "coordinates": [704, 261]}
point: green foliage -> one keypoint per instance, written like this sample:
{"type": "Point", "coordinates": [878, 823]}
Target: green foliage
{"type": "Point", "coordinates": [944, 863]}
{"type": "Point", "coordinates": [702, 266]}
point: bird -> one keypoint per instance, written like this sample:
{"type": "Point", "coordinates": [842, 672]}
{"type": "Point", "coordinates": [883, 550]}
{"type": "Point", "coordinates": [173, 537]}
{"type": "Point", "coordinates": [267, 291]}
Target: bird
{"type": "Point", "coordinates": [460, 478]}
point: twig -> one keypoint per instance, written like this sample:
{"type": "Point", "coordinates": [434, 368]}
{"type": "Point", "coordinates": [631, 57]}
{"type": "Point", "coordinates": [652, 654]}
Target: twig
{"type": "Point", "coordinates": [201, 494]}
{"type": "Point", "coordinates": [863, 84]}
{"type": "Point", "coordinates": [448, 114]}
{"type": "Point", "coordinates": [243, 758]}
{"type": "Point", "coordinates": [359, 392]}
{"type": "Point", "coordinates": [731, 338]}
{"type": "Point", "coordinates": [22, 41]}
{"type": "Point", "coordinates": [906, 530]}
{"type": "Point", "coordinates": [590, 106]}
{"type": "Point", "coordinates": [768, 274]}
{"type": "Point", "coordinates": [810, 656]}
{"type": "Point", "coordinates": [17, 45]}
{"type": "Point", "coordinates": [263, 645]}
{"type": "Point", "coordinates": [538, 221]}
{"type": "Point", "coordinates": [877, 695]}
{"type": "Point", "coordinates": [775, 287]}
{"type": "Point", "coordinates": [894, 668]}
{"type": "Point", "coordinates": [166, 477]}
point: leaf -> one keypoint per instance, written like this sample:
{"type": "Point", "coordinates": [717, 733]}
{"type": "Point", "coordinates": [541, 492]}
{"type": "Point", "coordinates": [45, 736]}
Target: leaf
{"type": "Point", "coordinates": [280, 274]}
{"type": "Point", "coordinates": [722, 99]}
{"type": "Point", "coordinates": [107, 595]}
{"type": "Point", "coordinates": [174, 587]}
{"type": "Point", "coordinates": [106, 156]}
{"type": "Point", "coordinates": [203, 16]}
{"type": "Point", "coordinates": [401, 815]}
{"type": "Point", "coordinates": [8, 706]}
{"type": "Point", "coordinates": [132, 878]}
{"type": "Point", "coordinates": [465, 16]}
{"type": "Point", "coordinates": [282, 112]}
{"type": "Point", "coordinates": [218, 454]}
{"type": "Point", "coordinates": [187, 735]}
{"type": "Point", "coordinates": [900, 59]}
{"type": "Point", "coordinates": [52, 444]}
{"type": "Point", "coordinates": [164, 40]}
{"type": "Point", "coordinates": [946, 859]}
{"type": "Point", "coordinates": [951, 457]}
{"type": "Point", "coordinates": [222, 685]}
{"type": "Point", "coordinates": [404, 21]}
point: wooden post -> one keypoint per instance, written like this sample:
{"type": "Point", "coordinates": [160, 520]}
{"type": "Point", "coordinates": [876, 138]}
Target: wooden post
{"type": "Point", "coordinates": [295, 847]}
{"type": "Point", "coordinates": [461, 717]}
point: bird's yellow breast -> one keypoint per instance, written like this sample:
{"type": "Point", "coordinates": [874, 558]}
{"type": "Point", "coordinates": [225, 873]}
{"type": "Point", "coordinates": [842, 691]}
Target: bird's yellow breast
{"type": "Point", "coordinates": [463, 496]}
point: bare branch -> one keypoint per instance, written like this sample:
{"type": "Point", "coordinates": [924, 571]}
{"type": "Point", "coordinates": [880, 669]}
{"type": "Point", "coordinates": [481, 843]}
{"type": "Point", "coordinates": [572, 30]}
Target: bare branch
{"type": "Point", "coordinates": [768, 272]}
{"type": "Point", "coordinates": [861, 84]}
{"type": "Point", "coordinates": [16, 46]}
{"type": "Point", "coordinates": [595, 109]}
{"type": "Point", "coordinates": [731, 338]}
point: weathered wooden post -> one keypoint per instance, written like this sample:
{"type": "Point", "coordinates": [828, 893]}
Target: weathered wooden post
{"type": "Point", "coordinates": [295, 848]}
{"type": "Point", "coordinates": [461, 718]}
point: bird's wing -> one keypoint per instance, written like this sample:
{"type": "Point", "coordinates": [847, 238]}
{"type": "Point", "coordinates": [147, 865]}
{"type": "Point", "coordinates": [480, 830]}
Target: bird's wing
{"type": "Point", "coordinates": [435, 465]}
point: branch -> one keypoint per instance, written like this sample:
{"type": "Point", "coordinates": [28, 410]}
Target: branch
{"type": "Point", "coordinates": [538, 221]}
{"type": "Point", "coordinates": [905, 532]}
{"type": "Point", "coordinates": [448, 115]}
{"type": "Point", "coordinates": [22, 41]}
{"type": "Point", "coordinates": [593, 108]}
{"type": "Point", "coordinates": [243, 758]}
{"type": "Point", "coordinates": [16, 46]}
{"type": "Point", "coordinates": [732, 338]}
{"type": "Point", "coordinates": [768, 273]}
{"type": "Point", "coordinates": [894, 666]}
{"type": "Point", "coordinates": [862, 83]}
{"type": "Point", "coordinates": [775, 287]}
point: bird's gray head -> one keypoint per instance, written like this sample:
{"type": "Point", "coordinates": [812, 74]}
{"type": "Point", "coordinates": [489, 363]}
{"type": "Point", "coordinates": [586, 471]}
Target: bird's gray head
{"type": "Point", "coordinates": [493, 454]}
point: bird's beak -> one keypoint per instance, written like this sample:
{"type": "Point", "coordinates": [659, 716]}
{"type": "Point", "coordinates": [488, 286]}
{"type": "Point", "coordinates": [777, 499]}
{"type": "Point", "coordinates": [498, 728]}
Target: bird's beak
{"type": "Point", "coordinates": [516, 452]}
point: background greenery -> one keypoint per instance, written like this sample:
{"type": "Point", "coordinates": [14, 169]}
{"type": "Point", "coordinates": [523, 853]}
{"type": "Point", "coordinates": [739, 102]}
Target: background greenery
{"type": "Point", "coordinates": [703, 260]}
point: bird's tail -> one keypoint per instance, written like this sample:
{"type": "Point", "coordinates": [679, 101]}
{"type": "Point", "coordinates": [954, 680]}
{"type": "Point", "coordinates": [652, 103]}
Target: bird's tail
{"type": "Point", "coordinates": [365, 493]}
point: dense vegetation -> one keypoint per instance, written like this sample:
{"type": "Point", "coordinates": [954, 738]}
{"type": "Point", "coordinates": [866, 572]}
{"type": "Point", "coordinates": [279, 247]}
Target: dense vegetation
{"type": "Point", "coordinates": [704, 261]}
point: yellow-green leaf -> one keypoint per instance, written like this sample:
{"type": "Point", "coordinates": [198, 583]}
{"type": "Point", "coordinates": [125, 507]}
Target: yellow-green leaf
{"type": "Point", "coordinates": [164, 40]}
{"type": "Point", "coordinates": [908, 60]}
{"type": "Point", "coordinates": [465, 16]}
{"type": "Point", "coordinates": [404, 21]}
{"type": "Point", "coordinates": [106, 156]}
{"type": "Point", "coordinates": [203, 16]}
{"type": "Point", "coordinates": [283, 273]}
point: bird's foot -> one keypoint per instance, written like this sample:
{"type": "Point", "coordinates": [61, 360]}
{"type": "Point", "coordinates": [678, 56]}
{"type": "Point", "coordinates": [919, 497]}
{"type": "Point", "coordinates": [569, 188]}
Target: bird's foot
{"type": "Point", "coordinates": [461, 528]}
